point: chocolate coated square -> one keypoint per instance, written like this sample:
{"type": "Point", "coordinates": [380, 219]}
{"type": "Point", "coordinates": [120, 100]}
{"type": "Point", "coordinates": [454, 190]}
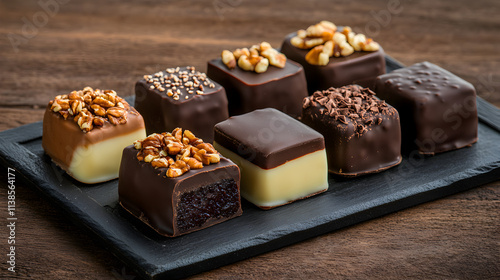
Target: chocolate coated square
{"type": "Point", "coordinates": [282, 89]}
{"type": "Point", "coordinates": [362, 133]}
{"type": "Point", "coordinates": [437, 109]}
{"type": "Point", "coordinates": [360, 68]}
{"type": "Point", "coordinates": [198, 113]}
{"type": "Point", "coordinates": [174, 206]}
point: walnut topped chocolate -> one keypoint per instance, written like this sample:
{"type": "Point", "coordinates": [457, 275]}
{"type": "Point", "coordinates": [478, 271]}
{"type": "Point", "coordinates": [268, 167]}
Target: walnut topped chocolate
{"type": "Point", "coordinates": [90, 108]}
{"type": "Point", "coordinates": [326, 40]}
{"type": "Point", "coordinates": [257, 58]}
{"type": "Point", "coordinates": [179, 151]}
{"type": "Point", "coordinates": [354, 103]}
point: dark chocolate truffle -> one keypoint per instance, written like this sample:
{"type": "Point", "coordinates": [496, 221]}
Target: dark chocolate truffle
{"type": "Point", "coordinates": [362, 133]}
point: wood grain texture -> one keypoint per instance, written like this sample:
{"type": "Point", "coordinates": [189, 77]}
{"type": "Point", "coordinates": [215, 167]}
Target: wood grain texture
{"type": "Point", "coordinates": [111, 44]}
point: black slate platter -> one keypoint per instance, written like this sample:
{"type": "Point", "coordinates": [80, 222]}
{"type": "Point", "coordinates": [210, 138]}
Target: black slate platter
{"type": "Point", "coordinates": [348, 201]}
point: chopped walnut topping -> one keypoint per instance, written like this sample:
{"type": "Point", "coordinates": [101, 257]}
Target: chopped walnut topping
{"type": "Point", "coordinates": [91, 108]}
{"type": "Point", "coordinates": [179, 151]}
{"type": "Point", "coordinates": [174, 81]}
{"type": "Point", "coordinates": [350, 104]}
{"type": "Point", "coordinates": [257, 58]}
{"type": "Point", "coordinates": [325, 41]}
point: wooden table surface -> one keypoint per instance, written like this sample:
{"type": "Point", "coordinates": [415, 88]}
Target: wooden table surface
{"type": "Point", "coordinates": [52, 49]}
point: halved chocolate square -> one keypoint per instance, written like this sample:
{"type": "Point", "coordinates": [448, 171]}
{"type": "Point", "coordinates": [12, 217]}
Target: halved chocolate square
{"type": "Point", "coordinates": [176, 184]}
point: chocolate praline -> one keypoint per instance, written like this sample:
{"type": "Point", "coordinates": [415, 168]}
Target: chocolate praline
{"type": "Point", "coordinates": [175, 206]}
{"type": "Point", "coordinates": [360, 68]}
{"type": "Point", "coordinates": [362, 133]}
{"type": "Point", "coordinates": [281, 159]}
{"type": "Point", "coordinates": [198, 112]}
{"type": "Point", "coordinates": [279, 88]}
{"type": "Point", "coordinates": [438, 109]}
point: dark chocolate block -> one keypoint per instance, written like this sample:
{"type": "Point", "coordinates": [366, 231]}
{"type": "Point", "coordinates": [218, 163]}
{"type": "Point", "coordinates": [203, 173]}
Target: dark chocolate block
{"type": "Point", "coordinates": [438, 109]}
{"type": "Point", "coordinates": [282, 89]}
{"type": "Point", "coordinates": [174, 206]}
{"type": "Point", "coordinates": [360, 68]}
{"type": "Point", "coordinates": [362, 133]}
{"type": "Point", "coordinates": [198, 113]}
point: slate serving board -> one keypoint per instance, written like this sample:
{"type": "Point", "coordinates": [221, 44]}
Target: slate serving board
{"type": "Point", "coordinates": [348, 201]}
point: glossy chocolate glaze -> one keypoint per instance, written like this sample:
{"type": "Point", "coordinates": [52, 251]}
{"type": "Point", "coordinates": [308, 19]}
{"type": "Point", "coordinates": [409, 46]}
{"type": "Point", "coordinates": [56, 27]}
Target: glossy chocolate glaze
{"type": "Point", "coordinates": [358, 68]}
{"type": "Point", "coordinates": [438, 109]}
{"type": "Point", "coordinates": [267, 137]}
{"type": "Point", "coordinates": [198, 113]}
{"type": "Point", "coordinates": [282, 89]}
{"type": "Point", "coordinates": [61, 137]}
{"type": "Point", "coordinates": [351, 153]}
{"type": "Point", "coordinates": [152, 197]}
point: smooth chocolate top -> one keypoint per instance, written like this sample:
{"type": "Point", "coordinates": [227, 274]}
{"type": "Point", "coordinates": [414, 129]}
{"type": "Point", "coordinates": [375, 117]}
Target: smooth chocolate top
{"type": "Point", "coordinates": [160, 81]}
{"type": "Point", "coordinates": [423, 81]}
{"type": "Point", "coordinates": [267, 137]}
{"type": "Point", "coordinates": [252, 78]}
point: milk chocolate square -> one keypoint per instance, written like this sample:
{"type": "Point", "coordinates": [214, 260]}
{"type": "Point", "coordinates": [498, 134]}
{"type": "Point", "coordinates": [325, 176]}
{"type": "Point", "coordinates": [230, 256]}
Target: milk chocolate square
{"type": "Point", "coordinates": [85, 132]}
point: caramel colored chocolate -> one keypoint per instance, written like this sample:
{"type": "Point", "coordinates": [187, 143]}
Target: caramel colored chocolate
{"type": "Point", "coordinates": [362, 133]}
{"type": "Point", "coordinates": [438, 109]}
{"type": "Point", "coordinates": [282, 89]}
{"type": "Point", "coordinates": [93, 156]}
{"type": "Point", "coordinates": [360, 68]}
{"type": "Point", "coordinates": [198, 113]}
{"type": "Point", "coordinates": [281, 160]}
{"type": "Point", "coordinates": [174, 206]}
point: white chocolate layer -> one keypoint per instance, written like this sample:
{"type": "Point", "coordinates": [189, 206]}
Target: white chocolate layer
{"type": "Point", "coordinates": [293, 180]}
{"type": "Point", "coordinates": [100, 161]}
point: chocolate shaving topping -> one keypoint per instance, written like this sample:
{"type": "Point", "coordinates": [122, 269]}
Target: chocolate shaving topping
{"type": "Point", "coordinates": [350, 104]}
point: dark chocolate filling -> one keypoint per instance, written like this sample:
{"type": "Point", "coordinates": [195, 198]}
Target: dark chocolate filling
{"type": "Point", "coordinates": [213, 201]}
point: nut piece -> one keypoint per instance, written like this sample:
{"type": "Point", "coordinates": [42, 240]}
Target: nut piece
{"type": "Point", "coordinates": [189, 151]}
{"type": "Point", "coordinates": [228, 59]}
{"type": "Point", "coordinates": [334, 43]}
{"type": "Point", "coordinates": [239, 52]}
{"type": "Point", "coordinates": [257, 58]}
{"type": "Point", "coordinates": [316, 56]}
{"type": "Point", "coordinates": [275, 58]}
